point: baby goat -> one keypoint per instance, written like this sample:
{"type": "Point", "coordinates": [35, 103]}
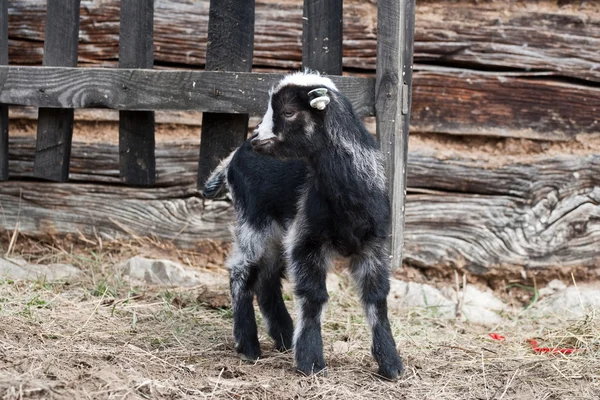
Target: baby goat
{"type": "Point", "coordinates": [308, 184]}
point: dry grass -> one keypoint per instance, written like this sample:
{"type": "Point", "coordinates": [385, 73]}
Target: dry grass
{"type": "Point", "coordinates": [100, 338]}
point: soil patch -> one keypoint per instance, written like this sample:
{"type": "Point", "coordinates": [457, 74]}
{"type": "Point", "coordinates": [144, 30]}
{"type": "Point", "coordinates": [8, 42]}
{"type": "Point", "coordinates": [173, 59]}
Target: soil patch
{"type": "Point", "coordinates": [99, 337]}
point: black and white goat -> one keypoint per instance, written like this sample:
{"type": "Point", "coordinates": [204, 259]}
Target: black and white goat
{"type": "Point", "coordinates": [307, 185]}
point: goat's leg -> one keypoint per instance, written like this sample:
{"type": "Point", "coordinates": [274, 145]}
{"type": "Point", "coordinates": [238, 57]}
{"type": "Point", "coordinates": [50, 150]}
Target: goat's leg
{"type": "Point", "coordinates": [371, 272]}
{"type": "Point", "coordinates": [242, 277]}
{"type": "Point", "coordinates": [270, 300]}
{"type": "Point", "coordinates": [308, 266]}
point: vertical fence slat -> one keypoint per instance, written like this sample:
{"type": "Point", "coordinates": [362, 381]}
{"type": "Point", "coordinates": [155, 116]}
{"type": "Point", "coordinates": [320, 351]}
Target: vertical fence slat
{"type": "Point", "coordinates": [230, 48]}
{"type": "Point", "coordinates": [395, 42]}
{"type": "Point", "coordinates": [55, 127]}
{"type": "Point", "coordinates": [3, 108]}
{"type": "Point", "coordinates": [136, 128]}
{"type": "Point", "coordinates": [322, 36]}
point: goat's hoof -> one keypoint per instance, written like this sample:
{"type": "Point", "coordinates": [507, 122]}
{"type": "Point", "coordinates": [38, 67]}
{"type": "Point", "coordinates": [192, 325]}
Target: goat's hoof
{"type": "Point", "coordinates": [283, 345]}
{"type": "Point", "coordinates": [249, 352]}
{"type": "Point", "coordinates": [391, 370]}
{"type": "Point", "coordinates": [322, 372]}
{"type": "Point", "coordinates": [317, 368]}
{"type": "Point", "coordinates": [282, 348]}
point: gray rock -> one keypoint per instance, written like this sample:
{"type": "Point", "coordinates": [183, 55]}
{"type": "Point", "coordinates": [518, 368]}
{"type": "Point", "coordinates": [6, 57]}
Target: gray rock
{"type": "Point", "coordinates": [480, 315]}
{"type": "Point", "coordinates": [476, 306]}
{"type": "Point", "coordinates": [415, 295]}
{"type": "Point", "coordinates": [147, 271]}
{"type": "Point", "coordinates": [552, 287]}
{"type": "Point", "coordinates": [570, 302]}
{"type": "Point", "coordinates": [20, 270]}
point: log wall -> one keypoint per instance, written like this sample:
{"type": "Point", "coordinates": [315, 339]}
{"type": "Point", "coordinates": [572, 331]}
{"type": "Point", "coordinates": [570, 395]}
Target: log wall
{"type": "Point", "coordinates": [504, 163]}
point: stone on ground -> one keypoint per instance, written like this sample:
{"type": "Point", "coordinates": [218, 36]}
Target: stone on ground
{"type": "Point", "coordinates": [147, 271]}
{"type": "Point", "coordinates": [416, 295]}
{"type": "Point", "coordinates": [572, 301]}
{"type": "Point", "coordinates": [17, 269]}
{"type": "Point", "coordinates": [474, 305]}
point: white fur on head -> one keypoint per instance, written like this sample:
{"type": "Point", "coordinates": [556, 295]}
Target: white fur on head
{"type": "Point", "coordinates": [265, 128]}
{"type": "Point", "coordinates": [305, 78]}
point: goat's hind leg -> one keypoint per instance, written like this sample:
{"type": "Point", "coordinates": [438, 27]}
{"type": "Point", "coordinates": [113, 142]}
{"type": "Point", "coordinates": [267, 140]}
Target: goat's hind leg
{"type": "Point", "coordinates": [371, 272]}
{"type": "Point", "coordinates": [270, 300]}
{"type": "Point", "coordinates": [242, 277]}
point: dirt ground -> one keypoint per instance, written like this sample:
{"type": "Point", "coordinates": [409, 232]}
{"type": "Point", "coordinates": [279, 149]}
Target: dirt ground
{"type": "Point", "coordinates": [97, 337]}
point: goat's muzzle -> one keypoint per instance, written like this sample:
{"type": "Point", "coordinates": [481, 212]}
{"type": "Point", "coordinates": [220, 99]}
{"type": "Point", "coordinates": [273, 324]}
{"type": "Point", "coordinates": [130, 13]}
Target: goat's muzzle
{"type": "Point", "coordinates": [262, 145]}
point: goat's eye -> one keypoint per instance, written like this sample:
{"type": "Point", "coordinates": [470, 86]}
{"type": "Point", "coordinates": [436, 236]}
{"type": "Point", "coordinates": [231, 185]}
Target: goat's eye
{"type": "Point", "coordinates": [289, 113]}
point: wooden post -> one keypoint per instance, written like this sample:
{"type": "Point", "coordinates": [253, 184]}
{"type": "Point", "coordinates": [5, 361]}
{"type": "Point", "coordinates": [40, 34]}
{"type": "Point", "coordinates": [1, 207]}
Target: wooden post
{"type": "Point", "coordinates": [3, 108]}
{"type": "Point", "coordinates": [230, 48]}
{"type": "Point", "coordinates": [137, 162]}
{"type": "Point", "coordinates": [55, 126]}
{"type": "Point", "coordinates": [322, 31]}
{"type": "Point", "coordinates": [395, 42]}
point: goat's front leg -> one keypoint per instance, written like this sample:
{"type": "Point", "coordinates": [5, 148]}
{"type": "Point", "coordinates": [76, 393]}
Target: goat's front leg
{"type": "Point", "coordinates": [242, 277]}
{"type": "Point", "coordinates": [308, 266]}
{"type": "Point", "coordinates": [371, 272]}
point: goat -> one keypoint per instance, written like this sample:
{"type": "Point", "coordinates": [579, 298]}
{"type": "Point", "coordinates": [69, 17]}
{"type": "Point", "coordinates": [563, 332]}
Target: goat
{"type": "Point", "coordinates": [307, 185]}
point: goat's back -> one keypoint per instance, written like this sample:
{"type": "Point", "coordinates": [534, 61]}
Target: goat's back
{"type": "Point", "coordinates": [263, 188]}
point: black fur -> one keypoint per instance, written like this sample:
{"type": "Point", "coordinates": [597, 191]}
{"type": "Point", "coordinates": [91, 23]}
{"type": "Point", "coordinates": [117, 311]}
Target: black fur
{"type": "Point", "coordinates": [315, 178]}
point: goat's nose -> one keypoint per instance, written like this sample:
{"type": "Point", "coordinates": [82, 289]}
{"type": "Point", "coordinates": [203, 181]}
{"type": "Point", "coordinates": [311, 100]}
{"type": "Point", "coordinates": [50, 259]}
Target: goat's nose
{"type": "Point", "coordinates": [254, 138]}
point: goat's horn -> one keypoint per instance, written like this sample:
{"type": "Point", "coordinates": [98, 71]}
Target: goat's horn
{"type": "Point", "coordinates": [318, 98]}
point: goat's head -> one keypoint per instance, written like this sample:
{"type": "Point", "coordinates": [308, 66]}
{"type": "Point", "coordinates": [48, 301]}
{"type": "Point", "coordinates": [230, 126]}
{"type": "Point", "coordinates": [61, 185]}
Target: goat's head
{"type": "Point", "coordinates": [294, 124]}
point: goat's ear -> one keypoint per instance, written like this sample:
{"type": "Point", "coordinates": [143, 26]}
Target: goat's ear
{"type": "Point", "coordinates": [319, 98]}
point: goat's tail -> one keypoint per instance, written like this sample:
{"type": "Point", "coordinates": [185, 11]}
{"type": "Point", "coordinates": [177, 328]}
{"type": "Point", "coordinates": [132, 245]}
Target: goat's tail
{"type": "Point", "coordinates": [215, 184]}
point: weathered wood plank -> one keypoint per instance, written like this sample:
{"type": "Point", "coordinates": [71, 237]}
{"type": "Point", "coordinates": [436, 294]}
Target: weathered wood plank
{"type": "Point", "coordinates": [3, 108]}
{"type": "Point", "coordinates": [393, 87]}
{"type": "Point", "coordinates": [230, 48]}
{"type": "Point", "coordinates": [494, 213]}
{"type": "Point", "coordinates": [473, 102]}
{"type": "Point", "coordinates": [55, 127]}
{"type": "Point", "coordinates": [135, 89]}
{"type": "Point", "coordinates": [3, 142]}
{"type": "Point", "coordinates": [509, 105]}
{"type": "Point", "coordinates": [136, 128]}
{"type": "Point", "coordinates": [322, 34]}
{"type": "Point", "coordinates": [543, 35]}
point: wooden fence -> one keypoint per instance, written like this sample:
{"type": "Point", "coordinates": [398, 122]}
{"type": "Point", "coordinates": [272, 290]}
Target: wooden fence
{"type": "Point", "coordinates": [227, 92]}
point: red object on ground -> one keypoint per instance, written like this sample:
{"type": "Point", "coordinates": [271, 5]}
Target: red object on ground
{"type": "Point", "coordinates": [534, 346]}
{"type": "Point", "coordinates": [496, 336]}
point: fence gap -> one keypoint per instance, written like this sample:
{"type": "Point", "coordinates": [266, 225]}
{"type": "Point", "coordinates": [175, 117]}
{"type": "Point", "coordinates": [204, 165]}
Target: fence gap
{"type": "Point", "coordinates": [137, 162]}
{"type": "Point", "coordinates": [322, 36]}
{"type": "Point", "coordinates": [3, 108]}
{"type": "Point", "coordinates": [55, 126]}
{"type": "Point", "coordinates": [393, 88]}
{"type": "Point", "coordinates": [230, 48]}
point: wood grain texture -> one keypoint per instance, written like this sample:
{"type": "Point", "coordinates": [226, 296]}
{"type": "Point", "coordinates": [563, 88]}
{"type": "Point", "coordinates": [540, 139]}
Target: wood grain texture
{"type": "Point", "coordinates": [528, 214]}
{"type": "Point", "coordinates": [134, 89]}
{"type": "Point", "coordinates": [55, 127]}
{"type": "Point", "coordinates": [542, 35]}
{"type": "Point", "coordinates": [136, 128]}
{"type": "Point", "coordinates": [532, 106]}
{"type": "Point", "coordinates": [445, 100]}
{"type": "Point", "coordinates": [3, 108]}
{"type": "Point", "coordinates": [322, 34]}
{"type": "Point", "coordinates": [3, 142]}
{"type": "Point", "coordinates": [230, 48]}
{"type": "Point", "coordinates": [539, 212]}
{"type": "Point", "coordinates": [393, 87]}
{"type": "Point", "coordinates": [95, 203]}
